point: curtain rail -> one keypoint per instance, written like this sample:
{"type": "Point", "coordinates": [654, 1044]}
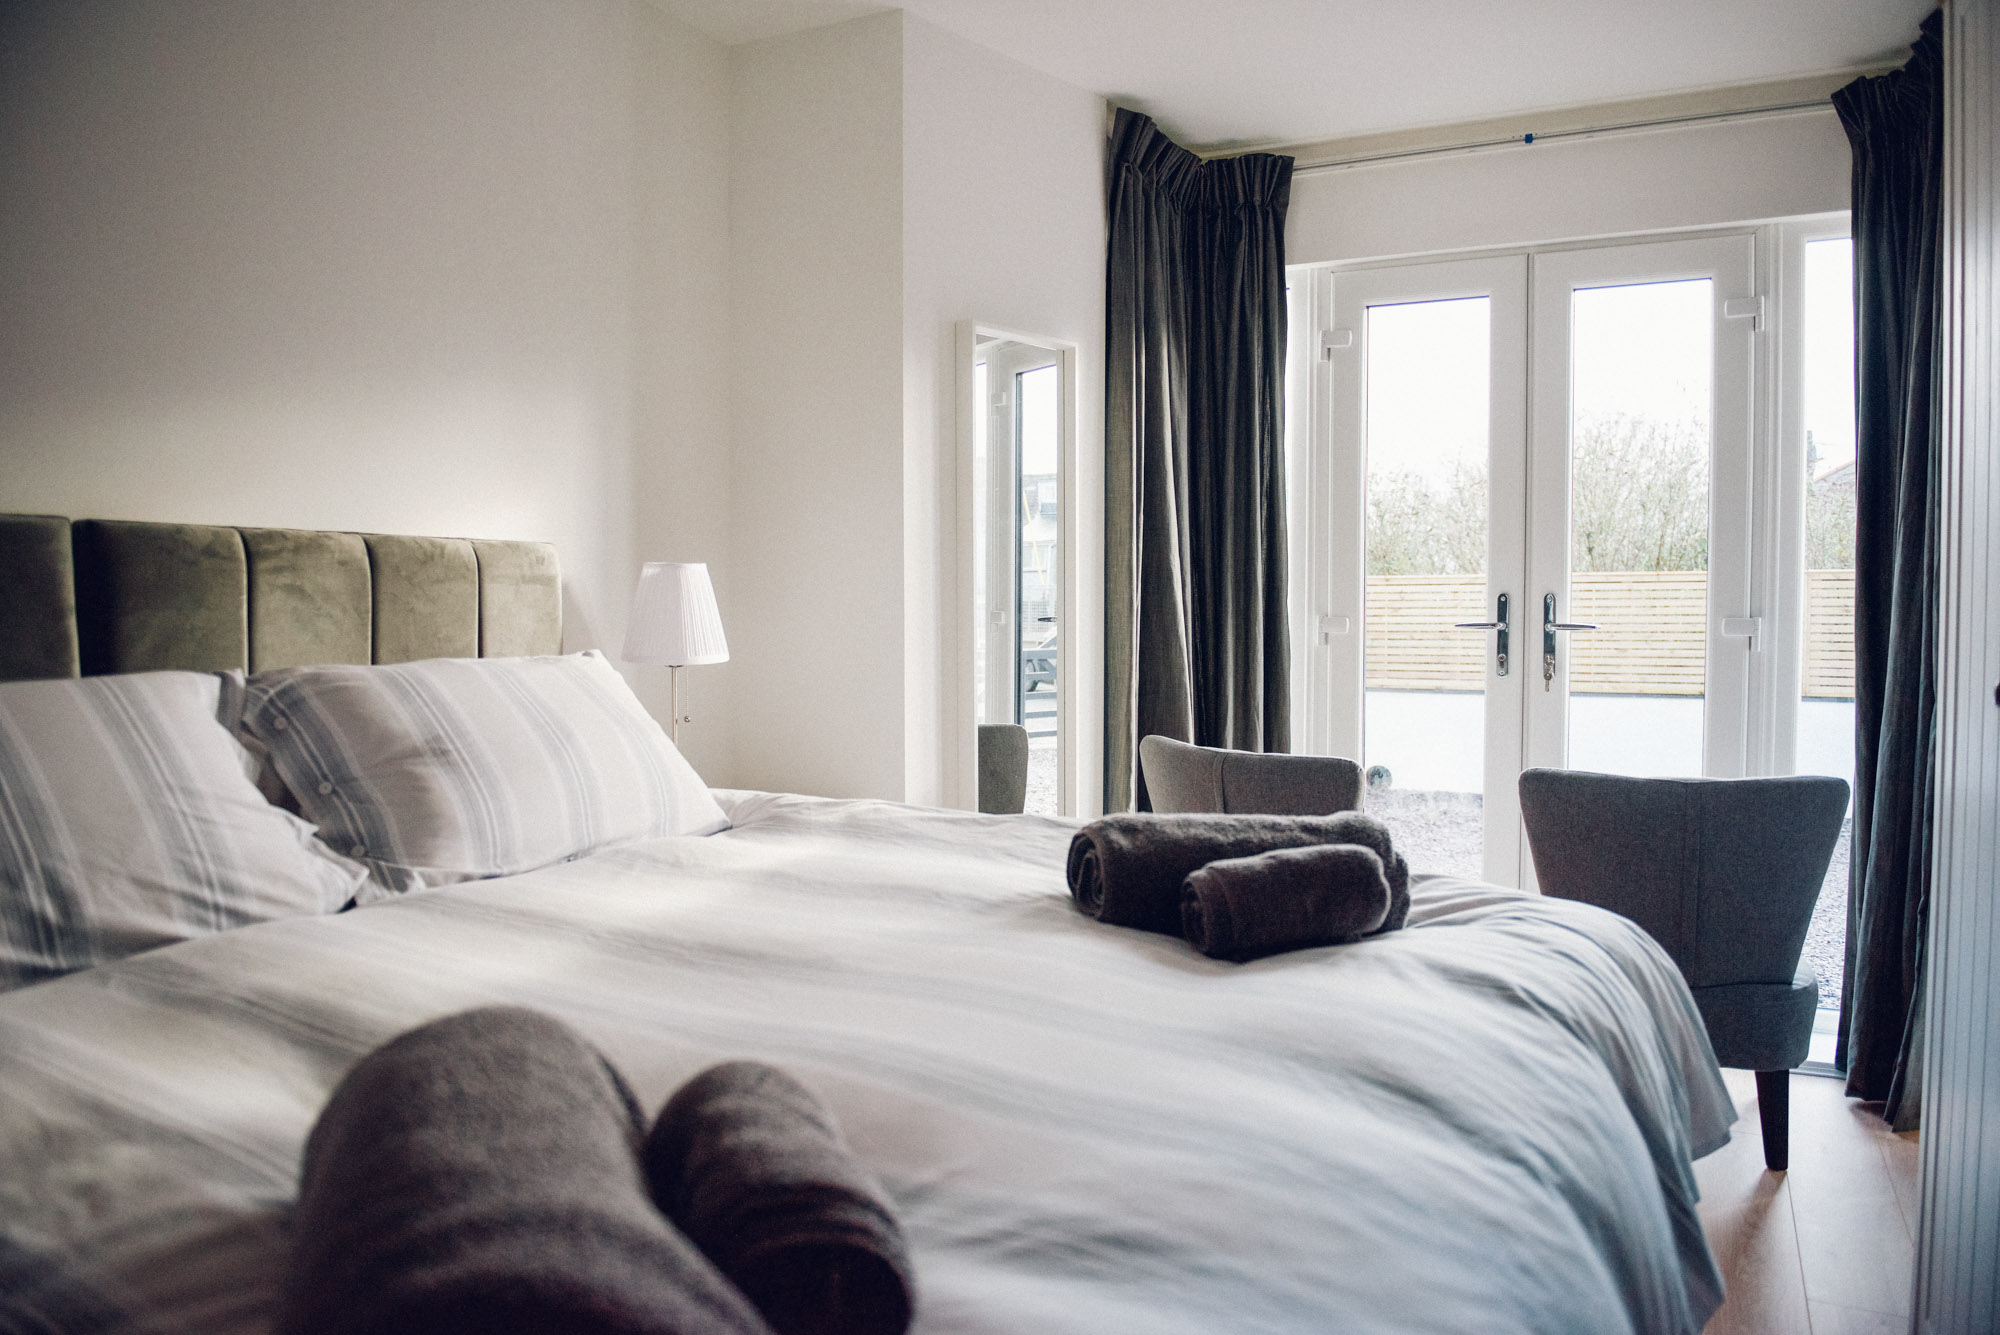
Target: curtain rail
{"type": "Point", "coordinates": [1528, 140]}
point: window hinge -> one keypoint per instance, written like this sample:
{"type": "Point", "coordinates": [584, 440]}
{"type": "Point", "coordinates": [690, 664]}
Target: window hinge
{"type": "Point", "coordinates": [1330, 340]}
{"type": "Point", "coordinates": [1745, 308]}
{"type": "Point", "coordinates": [1747, 628]}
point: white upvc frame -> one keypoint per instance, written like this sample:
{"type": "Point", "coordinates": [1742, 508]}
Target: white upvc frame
{"type": "Point", "coordinates": [962, 748]}
{"type": "Point", "coordinates": [1758, 490]}
{"type": "Point", "coordinates": [1782, 553]}
{"type": "Point", "coordinates": [1341, 558]}
{"type": "Point", "coordinates": [1728, 261]}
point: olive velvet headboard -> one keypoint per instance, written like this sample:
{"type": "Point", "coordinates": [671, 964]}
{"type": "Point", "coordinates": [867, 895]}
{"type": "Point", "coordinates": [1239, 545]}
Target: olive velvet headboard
{"type": "Point", "coordinates": [96, 595]}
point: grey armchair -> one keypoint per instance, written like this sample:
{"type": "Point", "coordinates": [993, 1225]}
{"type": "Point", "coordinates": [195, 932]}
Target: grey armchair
{"type": "Point", "coordinates": [1723, 873]}
{"type": "Point", "coordinates": [1180, 777]}
{"type": "Point", "coordinates": [1003, 768]}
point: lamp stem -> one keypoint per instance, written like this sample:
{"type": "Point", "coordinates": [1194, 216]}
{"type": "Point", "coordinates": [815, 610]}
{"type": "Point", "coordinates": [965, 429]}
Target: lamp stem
{"type": "Point", "coordinates": [674, 702]}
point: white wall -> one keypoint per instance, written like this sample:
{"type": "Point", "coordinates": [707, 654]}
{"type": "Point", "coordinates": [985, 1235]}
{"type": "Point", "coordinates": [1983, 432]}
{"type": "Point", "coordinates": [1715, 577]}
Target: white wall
{"type": "Point", "coordinates": [1694, 176]}
{"type": "Point", "coordinates": [888, 180]}
{"type": "Point", "coordinates": [815, 617]}
{"type": "Point", "coordinates": [680, 301]}
{"type": "Point", "coordinates": [1003, 223]}
{"type": "Point", "coordinates": [409, 268]}
{"type": "Point", "coordinates": [558, 269]}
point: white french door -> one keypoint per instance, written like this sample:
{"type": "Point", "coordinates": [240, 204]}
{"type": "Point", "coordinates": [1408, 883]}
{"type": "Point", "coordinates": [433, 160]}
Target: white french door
{"type": "Point", "coordinates": [1531, 539]}
{"type": "Point", "coordinates": [1429, 422]}
{"type": "Point", "coordinates": [1640, 506]}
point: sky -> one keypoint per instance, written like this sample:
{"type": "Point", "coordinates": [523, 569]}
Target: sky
{"type": "Point", "coordinates": [1038, 421]}
{"type": "Point", "coordinates": [1829, 388]}
{"type": "Point", "coordinates": [1427, 387]}
{"type": "Point", "coordinates": [1642, 349]}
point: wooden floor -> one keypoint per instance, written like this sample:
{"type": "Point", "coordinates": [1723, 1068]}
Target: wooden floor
{"type": "Point", "coordinates": [1825, 1249]}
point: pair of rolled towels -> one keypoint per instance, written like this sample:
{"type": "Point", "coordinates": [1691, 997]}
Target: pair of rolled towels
{"type": "Point", "coordinates": [1242, 887]}
{"type": "Point", "coordinates": [492, 1172]}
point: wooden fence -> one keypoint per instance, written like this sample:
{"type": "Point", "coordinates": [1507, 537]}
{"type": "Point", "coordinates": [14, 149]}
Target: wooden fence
{"type": "Point", "coordinates": [1650, 638]}
{"type": "Point", "coordinates": [1830, 634]}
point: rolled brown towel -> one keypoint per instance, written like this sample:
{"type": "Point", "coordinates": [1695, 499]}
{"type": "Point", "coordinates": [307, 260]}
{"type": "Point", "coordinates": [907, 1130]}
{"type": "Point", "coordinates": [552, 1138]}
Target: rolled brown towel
{"type": "Point", "coordinates": [481, 1174]}
{"type": "Point", "coordinates": [1287, 899]}
{"type": "Point", "coordinates": [751, 1166]}
{"type": "Point", "coordinates": [1126, 870]}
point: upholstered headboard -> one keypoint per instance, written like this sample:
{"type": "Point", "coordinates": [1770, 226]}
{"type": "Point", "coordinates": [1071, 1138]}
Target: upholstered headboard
{"type": "Point", "coordinates": [97, 595]}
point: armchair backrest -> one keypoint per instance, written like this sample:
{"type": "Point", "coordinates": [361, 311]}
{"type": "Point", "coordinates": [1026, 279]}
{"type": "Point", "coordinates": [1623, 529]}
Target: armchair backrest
{"type": "Point", "coordinates": [1180, 777]}
{"type": "Point", "coordinates": [1723, 873]}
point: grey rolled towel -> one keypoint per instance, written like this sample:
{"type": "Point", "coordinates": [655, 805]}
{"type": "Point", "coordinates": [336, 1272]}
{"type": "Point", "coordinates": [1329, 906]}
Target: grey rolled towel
{"type": "Point", "coordinates": [1287, 899]}
{"type": "Point", "coordinates": [751, 1165]}
{"type": "Point", "coordinates": [481, 1173]}
{"type": "Point", "coordinates": [1126, 870]}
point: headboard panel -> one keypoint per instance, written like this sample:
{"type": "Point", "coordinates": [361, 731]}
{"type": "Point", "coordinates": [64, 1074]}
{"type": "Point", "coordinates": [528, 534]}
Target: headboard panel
{"type": "Point", "coordinates": [426, 598]}
{"type": "Point", "coordinates": [101, 596]}
{"type": "Point", "coordinates": [37, 598]}
{"type": "Point", "coordinates": [517, 581]}
{"type": "Point", "coordinates": [311, 598]}
{"type": "Point", "coordinates": [152, 596]}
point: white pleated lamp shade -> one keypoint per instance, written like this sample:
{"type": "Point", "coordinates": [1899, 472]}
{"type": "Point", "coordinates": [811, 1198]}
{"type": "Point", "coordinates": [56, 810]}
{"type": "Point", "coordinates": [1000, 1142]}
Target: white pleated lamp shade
{"type": "Point", "coordinates": [674, 617]}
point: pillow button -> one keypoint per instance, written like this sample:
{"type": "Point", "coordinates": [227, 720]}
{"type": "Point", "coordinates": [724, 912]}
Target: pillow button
{"type": "Point", "coordinates": [359, 851]}
{"type": "Point", "coordinates": [278, 723]}
{"type": "Point", "coordinates": [325, 789]}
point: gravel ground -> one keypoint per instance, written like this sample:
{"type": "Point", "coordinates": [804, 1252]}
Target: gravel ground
{"type": "Point", "coordinates": [1042, 774]}
{"type": "Point", "coordinates": [1439, 832]}
{"type": "Point", "coordinates": [1442, 832]}
{"type": "Point", "coordinates": [1826, 938]}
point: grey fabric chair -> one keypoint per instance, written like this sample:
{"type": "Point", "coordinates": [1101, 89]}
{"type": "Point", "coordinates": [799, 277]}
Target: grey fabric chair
{"type": "Point", "coordinates": [1003, 768]}
{"type": "Point", "coordinates": [1180, 777]}
{"type": "Point", "coordinates": [1723, 873]}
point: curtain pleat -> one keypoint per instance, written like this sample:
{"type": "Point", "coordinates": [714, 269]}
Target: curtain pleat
{"type": "Point", "coordinates": [1895, 124]}
{"type": "Point", "coordinates": [1195, 632]}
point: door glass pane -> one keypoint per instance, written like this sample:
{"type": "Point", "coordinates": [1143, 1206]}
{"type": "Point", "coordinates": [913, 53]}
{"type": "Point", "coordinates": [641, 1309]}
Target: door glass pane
{"type": "Point", "coordinates": [1423, 727]}
{"type": "Point", "coordinates": [1640, 392]}
{"type": "Point", "coordinates": [1037, 580]}
{"type": "Point", "coordinates": [1826, 704]}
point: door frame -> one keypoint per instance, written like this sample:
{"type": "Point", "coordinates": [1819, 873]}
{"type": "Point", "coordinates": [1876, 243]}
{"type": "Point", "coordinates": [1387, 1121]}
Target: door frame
{"type": "Point", "coordinates": [1729, 261]}
{"type": "Point", "coordinates": [1073, 543]}
{"type": "Point", "coordinates": [1773, 538]}
{"type": "Point", "coordinates": [1503, 281]}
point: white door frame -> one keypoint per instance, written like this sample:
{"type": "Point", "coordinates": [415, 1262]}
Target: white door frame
{"type": "Point", "coordinates": [1728, 262]}
{"type": "Point", "coordinates": [1746, 720]}
{"type": "Point", "coordinates": [1072, 542]}
{"type": "Point", "coordinates": [1503, 280]}
{"type": "Point", "coordinates": [1781, 479]}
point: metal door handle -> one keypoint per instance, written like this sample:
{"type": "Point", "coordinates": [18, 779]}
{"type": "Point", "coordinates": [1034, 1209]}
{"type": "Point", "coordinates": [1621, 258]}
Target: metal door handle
{"type": "Point", "coordinates": [1549, 628]}
{"type": "Point", "coordinates": [1500, 648]}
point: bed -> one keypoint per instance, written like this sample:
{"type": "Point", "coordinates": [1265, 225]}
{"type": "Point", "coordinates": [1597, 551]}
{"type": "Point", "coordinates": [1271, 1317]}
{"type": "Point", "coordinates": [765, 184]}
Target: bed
{"type": "Point", "coordinates": [1485, 1121]}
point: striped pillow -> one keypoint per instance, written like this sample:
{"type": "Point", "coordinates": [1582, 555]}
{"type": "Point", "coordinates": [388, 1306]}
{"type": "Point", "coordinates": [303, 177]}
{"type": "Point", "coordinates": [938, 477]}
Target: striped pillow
{"type": "Point", "coordinates": [454, 769]}
{"type": "Point", "coordinates": [127, 821]}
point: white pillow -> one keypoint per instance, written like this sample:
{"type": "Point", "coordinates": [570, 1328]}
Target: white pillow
{"type": "Point", "coordinates": [454, 769]}
{"type": "Point", "coordinates": [127, 821]}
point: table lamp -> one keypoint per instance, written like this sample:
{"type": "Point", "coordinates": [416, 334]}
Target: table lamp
{"type": "Point", "coordinates": [675, 622]}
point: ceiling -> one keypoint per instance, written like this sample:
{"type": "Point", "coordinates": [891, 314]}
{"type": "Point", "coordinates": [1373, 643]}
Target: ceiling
{"type": "Point", "coordinates": [1231, 73]}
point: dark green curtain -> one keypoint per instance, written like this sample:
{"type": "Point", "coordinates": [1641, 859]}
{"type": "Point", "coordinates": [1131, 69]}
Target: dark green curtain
{"type": "Point", "coordinates": [1895, 124]}
{"type": "Point", "coordinates": [1195, 633]}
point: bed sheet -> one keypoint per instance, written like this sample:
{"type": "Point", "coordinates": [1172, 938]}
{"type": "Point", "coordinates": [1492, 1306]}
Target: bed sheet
{"type": "Point", "coordinates": [1483, 1122]}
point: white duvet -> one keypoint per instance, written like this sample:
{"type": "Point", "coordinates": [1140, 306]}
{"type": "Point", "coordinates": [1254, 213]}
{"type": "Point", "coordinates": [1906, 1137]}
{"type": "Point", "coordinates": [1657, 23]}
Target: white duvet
{"type": "Point", "coordinates": [1483, 1123]}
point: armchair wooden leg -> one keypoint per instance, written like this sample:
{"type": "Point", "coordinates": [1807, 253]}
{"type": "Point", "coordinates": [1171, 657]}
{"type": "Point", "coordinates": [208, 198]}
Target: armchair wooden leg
{"type": "Point", "coordinates": [1774, 1105]}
